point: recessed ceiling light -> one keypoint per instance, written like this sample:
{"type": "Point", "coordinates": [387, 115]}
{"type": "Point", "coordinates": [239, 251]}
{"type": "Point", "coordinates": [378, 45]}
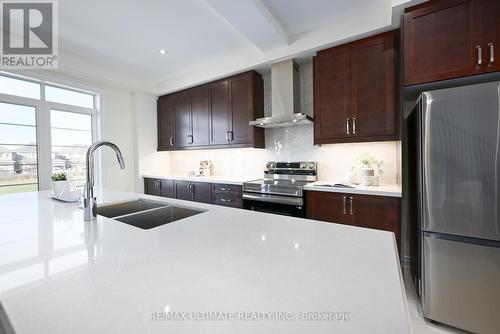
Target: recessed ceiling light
{"type": "Point", "coordinates": [163, 51]}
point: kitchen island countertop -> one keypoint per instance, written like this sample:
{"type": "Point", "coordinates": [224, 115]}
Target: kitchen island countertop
{"type": "Point", "coordinates": [61, 275]}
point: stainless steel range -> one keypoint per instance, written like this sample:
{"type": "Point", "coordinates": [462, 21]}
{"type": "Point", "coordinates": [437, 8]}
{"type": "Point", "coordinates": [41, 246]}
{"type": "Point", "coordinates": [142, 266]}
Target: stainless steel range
{"type": "Point", "coordinates": [281, 189]}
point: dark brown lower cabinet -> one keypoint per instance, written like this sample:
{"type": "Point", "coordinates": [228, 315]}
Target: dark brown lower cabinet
{"type": "Point", "coordinates": [152, 187]}
{"type": "Point", "coordinates": [193, 191]}
{"type": "Point", "coordinates": [183, 190]}
{"type": "Point", "coordinates": [227, 195]}
{"type": "Point", "coordinates": [377, 212]}
{"type": "Point", "coordinates": [167, 188]}
{"type": "Point", "coordinates": [159, 187]}
{"type": "Point", "coordinates": [202, 192]}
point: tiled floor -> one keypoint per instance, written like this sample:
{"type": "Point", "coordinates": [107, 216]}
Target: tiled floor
{"type": "Point", "coordinates": [419, 324]}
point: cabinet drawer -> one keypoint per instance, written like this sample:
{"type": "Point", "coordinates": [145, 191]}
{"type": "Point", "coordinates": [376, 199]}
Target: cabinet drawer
{"type": "Point", "coordinates": [227, 200]}
{"type": "Point", "coordinates": [227, 189]}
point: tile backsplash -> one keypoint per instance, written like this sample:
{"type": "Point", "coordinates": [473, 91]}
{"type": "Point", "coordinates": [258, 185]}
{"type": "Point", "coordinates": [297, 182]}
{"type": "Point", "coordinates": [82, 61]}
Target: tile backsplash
{"type": "Point", "coordinates": [290, 144]}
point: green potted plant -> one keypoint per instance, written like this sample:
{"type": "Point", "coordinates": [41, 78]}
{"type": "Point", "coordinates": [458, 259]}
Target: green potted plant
{"type": "Point", "coordinates": [59, 183]}
{"type": "Point", "coordinates": [367, 171]}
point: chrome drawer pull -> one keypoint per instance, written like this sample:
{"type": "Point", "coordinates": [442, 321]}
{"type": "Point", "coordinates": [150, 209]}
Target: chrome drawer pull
{"type": "Point", "coordinates": [347, 125]}
{"type": "Point", "coordinates": [350, 206]}
{"type": "Point", "coordinates": [225, 200]}
{"type": "Point", "coordinates": [344, 201]}
{"type": "Point", "coordinates": [354, 125]}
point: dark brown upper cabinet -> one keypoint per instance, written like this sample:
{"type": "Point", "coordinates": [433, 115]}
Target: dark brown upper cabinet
{"type": "Point", "coordinates": [200, 116]}
{"type": "Point", "coordinates": [165, 123]}
{"type": "Point", "coordinates": [354, 91]}
{"type": "Point", "coordinates": [182, 119]}
{"type": "Point", "coordinates": [220, 113]}
{"type": "Point", "coordinates": [215, 115]}
{"type": "Point", "coordinates": [448, 39]}
{"type": "Point", "coordinates": [246, 98]}
{"type": "Point", "coordinates": [492, 35]}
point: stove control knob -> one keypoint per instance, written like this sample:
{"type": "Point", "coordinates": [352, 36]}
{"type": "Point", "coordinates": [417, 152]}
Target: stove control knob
{"type": "Point", "coordinates": [311, 165]}
{"type": "Point", "coordinates": [303, 165]}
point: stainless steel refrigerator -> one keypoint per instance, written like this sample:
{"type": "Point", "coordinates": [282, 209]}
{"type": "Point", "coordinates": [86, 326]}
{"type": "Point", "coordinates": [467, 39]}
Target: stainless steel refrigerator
{"type": "Point", "coordinates": [457, 195]}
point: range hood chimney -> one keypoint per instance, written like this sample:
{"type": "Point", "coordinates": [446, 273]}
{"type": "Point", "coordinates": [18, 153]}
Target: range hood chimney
{"type": "Point", "coordinates": [285, 98]}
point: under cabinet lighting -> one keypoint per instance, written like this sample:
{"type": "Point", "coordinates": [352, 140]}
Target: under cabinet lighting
{"type": "Point", "coordinates": [163, 51]}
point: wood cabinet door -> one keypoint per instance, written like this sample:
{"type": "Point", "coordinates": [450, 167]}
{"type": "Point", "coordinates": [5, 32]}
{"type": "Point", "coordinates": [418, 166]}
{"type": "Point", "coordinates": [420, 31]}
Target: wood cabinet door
{"type": "Point", "coordinates": [182, 118]}
{"type": "Point", "coordinates": [492, 36]}
{"type": "Point", "coordinates": [183, 190]}
{"type": "Point", "coordinates": [200, 116]}
{"type": "Point", "coordinates": [240, 99]}
{"type": "Point", "coordinates": [372, 88]}
{"type": "Point", "coordinates": [151, 187]}
{"type": "Point", "coordinates": [377, 212]}
{"type": "Point", "coordinates": [165, 121]}
{"type": "Point", "coordinates": [328, 206]}
{"type": "Point", "coordinates": [167, 188]}
{"type": "Point", "coordinates": [219, 113]}
{"type": "Point", "coordinates": [441, 40]}
{"type": "Point", "coordinates": [202, 192]}
{"type": "Point", "coordinates": [332, 95]}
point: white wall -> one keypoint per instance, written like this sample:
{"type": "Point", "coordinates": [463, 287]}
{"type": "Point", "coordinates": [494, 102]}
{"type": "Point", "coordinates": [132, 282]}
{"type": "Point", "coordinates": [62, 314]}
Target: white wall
{"type": "Point", "coordinates": [148, 160]}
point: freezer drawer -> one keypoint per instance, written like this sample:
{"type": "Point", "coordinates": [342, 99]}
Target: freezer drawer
{"type": "Point", "coordinates": [461, 284]}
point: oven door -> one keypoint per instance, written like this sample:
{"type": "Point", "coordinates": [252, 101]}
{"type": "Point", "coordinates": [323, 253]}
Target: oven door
{"type": "Point", "coordinates": [281, 205]}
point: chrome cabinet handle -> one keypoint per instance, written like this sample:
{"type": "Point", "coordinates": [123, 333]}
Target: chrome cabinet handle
{"type": "Point", "coordinates": [190, 139]}
{"type": "Point", "coordinates": [344, 201]}
{"type": "Point", "coordinates": [479, 56]}
{"type": "Point", "coordinates": [492, 54]}
{"type": "Point", "coordinates": [350, 206]}
{"type": "Point", "coordinates": [171, 141]}
{"type": "Point", "coordinates": [227, 136]}
{"type": "Point", "coordinates": [225, 200]}
{"type": "Point", "coordinates": [354, 125]}
{"type": "Point", "coordinates": [224, 189]}
{"type": "Point", "coordinates": [347, 125]}
{"type": "Point", "coordinates": [231, 137]}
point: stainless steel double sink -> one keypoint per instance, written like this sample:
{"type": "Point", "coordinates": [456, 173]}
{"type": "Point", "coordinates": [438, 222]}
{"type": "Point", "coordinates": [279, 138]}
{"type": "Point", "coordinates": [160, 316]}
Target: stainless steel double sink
{"type": "Point", "coordinates": [145, 213]}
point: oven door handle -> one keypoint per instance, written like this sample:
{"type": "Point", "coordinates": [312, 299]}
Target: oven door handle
{"type": "Point", "coordinates": [297, 201]}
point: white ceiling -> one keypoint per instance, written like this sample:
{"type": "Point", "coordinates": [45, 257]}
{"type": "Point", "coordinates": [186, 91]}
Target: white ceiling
{"type": "Point", "coordinates": [119, 40]}
{"type": "Point", "coordinates": [298, 16]}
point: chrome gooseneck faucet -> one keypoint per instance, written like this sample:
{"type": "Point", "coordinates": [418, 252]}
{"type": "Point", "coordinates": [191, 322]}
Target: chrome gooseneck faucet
{"type": "Point", "coordinates": [89, 201]}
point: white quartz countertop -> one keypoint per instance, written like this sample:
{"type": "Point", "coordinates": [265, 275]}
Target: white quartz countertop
{"type": "Point", "coordinates": [390, 190]}
{"type": "Point", "coordinates": [61, 275]}
{"type": "Point", "coordinates": [212, 179]}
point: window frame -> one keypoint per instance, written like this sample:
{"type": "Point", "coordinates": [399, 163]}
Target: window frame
{"type": "Point", "coordinates": [43, 122]}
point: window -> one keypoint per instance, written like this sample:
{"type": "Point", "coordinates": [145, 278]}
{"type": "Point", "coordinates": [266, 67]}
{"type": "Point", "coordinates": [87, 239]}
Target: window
{"type": "Point", "coordinates": [18, 149]}
{"type": "Point", "coordinates": [18, 87]}
{"type": "Point", "coordinates": [71, 136]}
{"type": "Point", "coordinates": [62, 95]}
{"type": "Point", "coordinates": [44, 128]}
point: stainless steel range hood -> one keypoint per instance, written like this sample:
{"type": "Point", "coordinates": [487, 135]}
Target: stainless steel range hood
{"type": "Point", "coordinates": [285, 98]}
